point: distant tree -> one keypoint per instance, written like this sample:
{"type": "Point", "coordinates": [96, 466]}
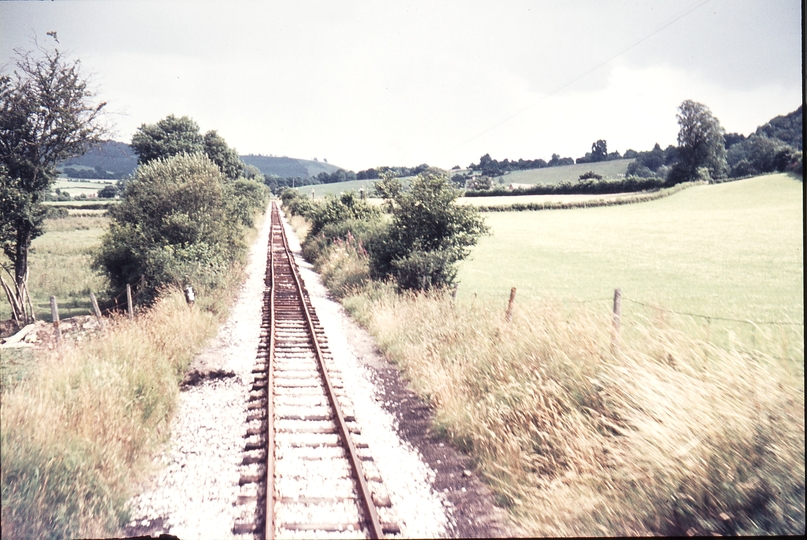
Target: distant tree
{"type": "Point", "coordinates": [47, 115]}
{"type": "Point", "coordinates": [108, 192]}
{"type": "Point", "coordinates": [253, 173]}
{"type": "Point", "coordinates": [599, 150]}
{"type": "Point", "coordinates": [700, 144]}
{"type": "Point", "coordinates": [222, 155]}
{"type": "Point", "coordinates": [590, 175]}
{"type": "Point", "coordinates": [630, 154]}
{"type": "Point", "coordinates": [168, 137]}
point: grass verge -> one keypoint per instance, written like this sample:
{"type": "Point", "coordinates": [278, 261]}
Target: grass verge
{"type": "Point", "coordinates": [669, 436]}
{"type": "Point", "coordinates": [79, 428]}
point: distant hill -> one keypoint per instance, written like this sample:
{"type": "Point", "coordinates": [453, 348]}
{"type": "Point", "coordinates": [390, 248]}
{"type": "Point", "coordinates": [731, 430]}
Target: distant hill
{"type": "Point", "coordinates": [110, 159]}
{"type": "Point", "coordinates": [285, 167]}
{"type": "Point", "coordinates": [115, 160]}
{"type": "Point", "coordinates": [787, 128]}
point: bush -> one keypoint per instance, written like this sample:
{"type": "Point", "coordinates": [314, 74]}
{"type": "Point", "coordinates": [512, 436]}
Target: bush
{"type": "Point", "coordinates": [180, 223]}
{"type": "Point", "coordinates": [335, 210]}
{"type": "Point", "coordinates": [428, 235]}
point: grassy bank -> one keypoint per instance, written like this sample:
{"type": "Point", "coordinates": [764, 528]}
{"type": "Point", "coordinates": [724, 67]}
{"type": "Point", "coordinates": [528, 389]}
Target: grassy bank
{"type": "Point", "coordinates": [668, 436]}
{"type": "Point", "coordinates": [79, 429]}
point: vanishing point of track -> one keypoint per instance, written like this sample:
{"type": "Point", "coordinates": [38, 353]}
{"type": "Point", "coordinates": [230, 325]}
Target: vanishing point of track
{"type": "Point", "coordinates": [306, 471]}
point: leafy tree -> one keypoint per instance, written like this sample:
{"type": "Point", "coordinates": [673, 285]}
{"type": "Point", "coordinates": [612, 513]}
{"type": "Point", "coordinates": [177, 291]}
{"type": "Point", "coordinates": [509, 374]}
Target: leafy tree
{"type": "Point", "coordinates": [222, 155]}
{"type": "Point", "coordinates": [180, 222]}
{"type": "Point", "coordinates": [599, 150]}
{"type": "Point", "coordinates": [47, 114]}
{"type": "Point", "coordinates": [700, 143]}
{"type": "Point", "coordinates": [428, 235]}
{"type": "Point", "coordinates": [108, 192]}
{"type": "Point", "coordinates": [168, 137]}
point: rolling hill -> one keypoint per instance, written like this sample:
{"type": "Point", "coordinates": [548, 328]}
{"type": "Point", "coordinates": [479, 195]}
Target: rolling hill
{"type": "Point", "coordinates": [118, 160]}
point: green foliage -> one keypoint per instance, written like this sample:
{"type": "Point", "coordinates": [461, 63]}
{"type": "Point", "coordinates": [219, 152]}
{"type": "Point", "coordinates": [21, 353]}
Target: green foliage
{"type": "Point", "coordinates": [700, 143]}
{"type": "Point", "coordinates": [335, 210]}
{"type": "Point", "coordinates": [46, 116]}
{"type": "Point", "coordinates": [222, 155]}
{"type": "Point", "coordinates": [108, 192]}
{"type": "Point", "coordinates": [180, 222]}
{"type": "Point", "coordinates": [584, 186]}
{"type": "Point", "coordinates": [168, 137]}
{"type": "Point", "coordinates": [590, 175]}
{"type": "Point", "coordinates": [428, 235]}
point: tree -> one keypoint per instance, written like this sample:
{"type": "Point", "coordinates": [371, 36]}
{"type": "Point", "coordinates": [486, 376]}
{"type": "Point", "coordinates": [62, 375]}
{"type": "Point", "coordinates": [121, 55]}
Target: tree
{"type": "Point", "coordinates": [599, 150]}
{"type": "Point", "coordinates": [47, 114]}
{"type": "Point", "coordinates": [700, 143]}
{"type": "Point", "coordinates": [222, 155]}
{"type": "Point", "coordinates": [168, 137]}
{"type": "Point", "coordinates": [428, 235]}
{"type": "Point", "coordinates": [180, 222]}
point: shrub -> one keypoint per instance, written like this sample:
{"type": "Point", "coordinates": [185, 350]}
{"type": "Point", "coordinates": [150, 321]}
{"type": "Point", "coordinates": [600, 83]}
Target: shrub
{"type": "Point", "coordinates": [335, 210]}
{"type": "Point", "coordinates": [179, 223]}
{"type": "Point", "coordinates": [428, 235]}
{"type": "Point", "coordinates": [590, 175]}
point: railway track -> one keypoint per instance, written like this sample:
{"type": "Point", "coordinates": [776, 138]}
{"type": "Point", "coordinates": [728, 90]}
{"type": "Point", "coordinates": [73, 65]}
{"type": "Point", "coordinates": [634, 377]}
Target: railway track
{"type": "Point", "coordinates": [306, 471]}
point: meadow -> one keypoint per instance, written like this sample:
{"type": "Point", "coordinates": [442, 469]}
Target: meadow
{"type": "Point", "coordinates": [729, 250]}
{"type": "Point", "coordinates": [59, 265]}
{"type": "Point", "coordinates": [566, 173]}
{"type": "Point", "coordinates": [81, 187]}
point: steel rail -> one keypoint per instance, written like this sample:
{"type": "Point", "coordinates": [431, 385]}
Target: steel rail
{"type": "Point", "coordinates": [269, 520]}
{"type": "Point", "coordinates": [365, 496]}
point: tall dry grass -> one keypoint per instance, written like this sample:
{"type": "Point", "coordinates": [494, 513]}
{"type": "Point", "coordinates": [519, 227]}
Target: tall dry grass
{"type": "Point", "coordinates": [76, 432]}
{"type": "Point", "coordinates": [669, 435]}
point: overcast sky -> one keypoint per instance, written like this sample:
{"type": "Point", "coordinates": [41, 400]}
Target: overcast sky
{"type": "Point", "coordinates": [369, 83]}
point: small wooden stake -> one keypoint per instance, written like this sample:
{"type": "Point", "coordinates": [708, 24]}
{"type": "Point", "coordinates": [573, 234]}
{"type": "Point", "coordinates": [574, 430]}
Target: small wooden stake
{"type": "Point", "coordinates": [617, 320]}
{"type": "Point", "coordinates": [509, 314]}
{"type": "Point", "coordinates": [54, 313]}
{"type": "Point", "coordinates": [129, 301]}
{"type": "Point", "coordinates": [97, 310]}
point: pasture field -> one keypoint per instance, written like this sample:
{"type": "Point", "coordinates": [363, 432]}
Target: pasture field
{"type": "Point", "coordinates": [566, 173]}
{"type": "Point", "coordinates": [538, 199]}
{"type": "Point", "coordinates": [78, 187]}
{"type": "Point", "coordinates": [320, 190]}
{"type": "Point", "coordinates": [59, 263]}
{"type": "Point", "coordinates": [729, 250]}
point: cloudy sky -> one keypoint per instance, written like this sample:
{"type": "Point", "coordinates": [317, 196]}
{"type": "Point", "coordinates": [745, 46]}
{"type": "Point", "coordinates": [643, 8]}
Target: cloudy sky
{"type": "Point", "coordinates": [369, 83]}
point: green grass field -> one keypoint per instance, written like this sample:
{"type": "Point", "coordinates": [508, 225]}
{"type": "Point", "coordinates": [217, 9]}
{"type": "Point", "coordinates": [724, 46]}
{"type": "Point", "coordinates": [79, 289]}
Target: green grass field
{"type": "Point", "coordinates": [79, 187]}
{"type": "Point", "coordinates": [567, 173]}
{"type": "Point", "coordinates": [730, 250]}
{"type": "Point", "coordinates": [59, 265]}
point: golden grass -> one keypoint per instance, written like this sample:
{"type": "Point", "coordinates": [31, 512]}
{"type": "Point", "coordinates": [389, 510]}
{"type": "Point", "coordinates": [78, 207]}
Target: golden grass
{"type": "Point", "coordinates": [669, 435]}
{"type": "Point", "coordinates": [75, 433]}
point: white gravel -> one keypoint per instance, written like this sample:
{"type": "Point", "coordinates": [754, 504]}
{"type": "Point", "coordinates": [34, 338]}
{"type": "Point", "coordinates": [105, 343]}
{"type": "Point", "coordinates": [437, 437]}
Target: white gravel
{"type": "Point", "coordinates": [194, 492]}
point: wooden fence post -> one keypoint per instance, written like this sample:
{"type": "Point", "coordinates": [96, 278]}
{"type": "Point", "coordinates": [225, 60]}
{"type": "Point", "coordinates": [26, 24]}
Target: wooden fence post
{"type": "Point", "coordinates": [54, 313]}
{"type": "Point", "coordinates": [97, 310]}
{"type": "Point", "coordinates": [129, 301]}
{"type": "Point", "coordinates": [509, 314]}
{"type": "Point", "coordinates": [617, 320]}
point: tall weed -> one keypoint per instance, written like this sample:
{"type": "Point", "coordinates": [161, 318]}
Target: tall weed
{"type": "Point", "coordinates": [666, 435]}
{"type": "Point", "coordinates": [75, 433]}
